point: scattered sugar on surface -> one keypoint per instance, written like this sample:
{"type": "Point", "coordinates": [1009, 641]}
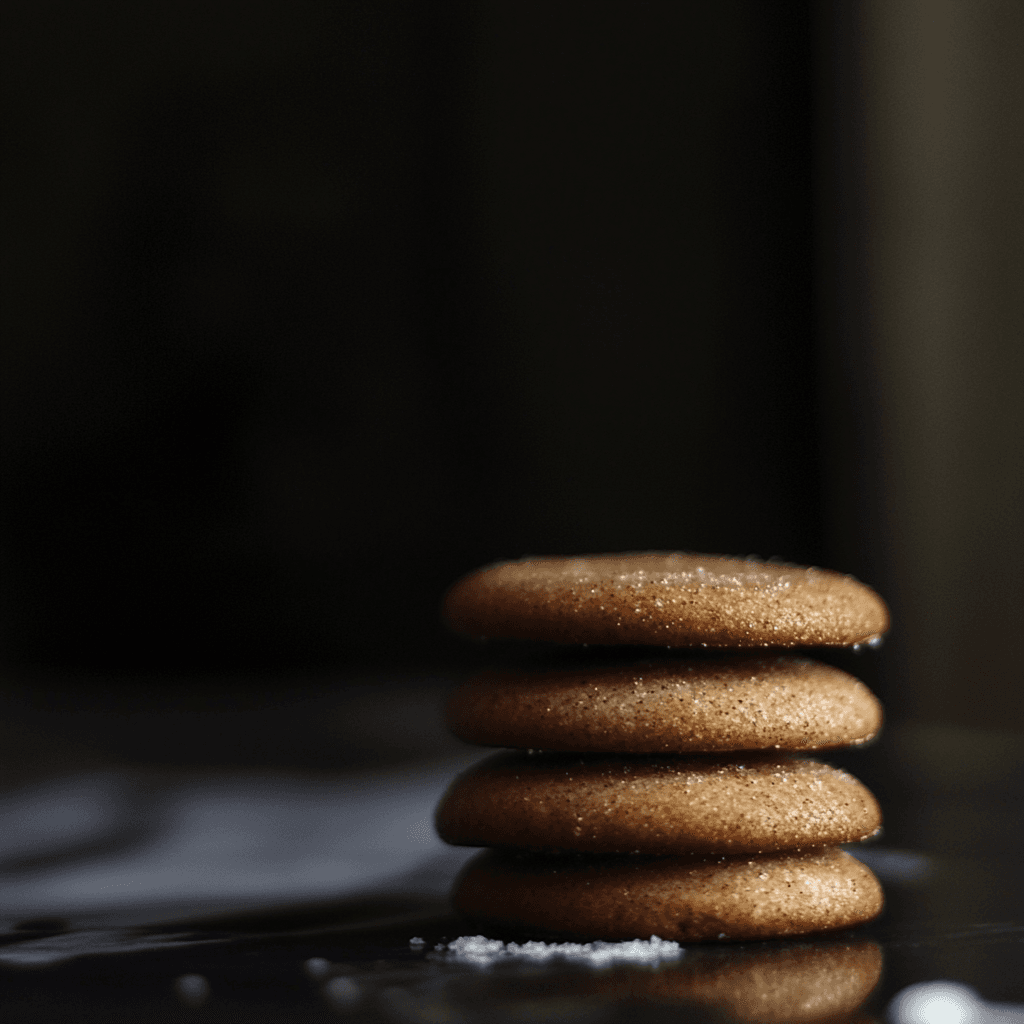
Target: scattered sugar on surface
{"type": "Point", "coordinates": [477, 949]}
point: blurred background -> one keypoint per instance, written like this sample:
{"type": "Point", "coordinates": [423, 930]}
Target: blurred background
{"type": "Point", "coordinates": [316, 306]}
{"type": "Point", "coordinates": [311, 307]}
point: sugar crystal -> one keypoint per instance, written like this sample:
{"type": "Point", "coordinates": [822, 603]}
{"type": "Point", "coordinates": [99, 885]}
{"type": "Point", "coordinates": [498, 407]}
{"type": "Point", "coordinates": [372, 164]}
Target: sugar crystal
{"type": "Point", "coordinates": [479, 950]}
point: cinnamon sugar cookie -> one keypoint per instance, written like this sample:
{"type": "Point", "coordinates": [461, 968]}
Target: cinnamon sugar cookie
{"type": "Point", "coordinates": [668, 706]}
{"type": "Point", "coordinates": [655, 805]}
{"type": "Point", "coordinates": [668, 599]}
{"type": "Point", "coordinates": [679, 898]}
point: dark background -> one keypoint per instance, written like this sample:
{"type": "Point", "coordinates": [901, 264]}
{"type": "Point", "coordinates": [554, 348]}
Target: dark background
{"type": "Point", "coordinates": [340, 303]}
{"type": "Point", "coordinates": [312, 307]}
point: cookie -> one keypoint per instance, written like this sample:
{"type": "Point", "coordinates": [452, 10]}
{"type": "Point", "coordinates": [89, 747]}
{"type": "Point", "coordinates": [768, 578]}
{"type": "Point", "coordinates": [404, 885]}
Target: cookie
{"type": "Point", "coordinates": [666, 599]}
{"type": "Point", "coordinates": [668, 706]}
{"type": "Point", "coordinates": [679, 898]}
{"type": "Point", "coordinates": [655, 805]}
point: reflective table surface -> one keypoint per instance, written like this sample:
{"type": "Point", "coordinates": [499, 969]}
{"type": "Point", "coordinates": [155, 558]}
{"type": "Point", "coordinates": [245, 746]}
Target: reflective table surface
{"type": "Point", "coordinates": [231, 853]}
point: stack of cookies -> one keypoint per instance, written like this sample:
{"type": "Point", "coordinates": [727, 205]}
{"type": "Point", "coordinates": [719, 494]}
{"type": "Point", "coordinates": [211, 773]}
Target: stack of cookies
{"type": "Point", "coordinates": [665, 794]}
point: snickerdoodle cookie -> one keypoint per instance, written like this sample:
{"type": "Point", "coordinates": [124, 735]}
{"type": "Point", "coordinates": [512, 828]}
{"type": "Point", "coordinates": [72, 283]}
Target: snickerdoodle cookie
{"type": "Point", "coordinates": [687, 899]}
{"type": "Point", "coordinates": [655, 804]}
{"type": "Point", "coordinates": [692, 705]}
{"type": "Point", "coordinates": [667, 599]}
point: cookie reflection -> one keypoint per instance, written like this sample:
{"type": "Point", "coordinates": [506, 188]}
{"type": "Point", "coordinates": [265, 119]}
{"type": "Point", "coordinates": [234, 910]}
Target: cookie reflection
{"type": "Point", "coordinates": [797, 984]}
{"type": "Point", "coordinates": [801, 984]}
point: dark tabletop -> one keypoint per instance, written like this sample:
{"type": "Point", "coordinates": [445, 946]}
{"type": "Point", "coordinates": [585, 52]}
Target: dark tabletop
{"type": "Point", "coordinates": [950, 861]}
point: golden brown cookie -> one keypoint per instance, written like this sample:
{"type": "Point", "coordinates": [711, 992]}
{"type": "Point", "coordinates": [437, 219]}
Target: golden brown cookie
{"type": "Point", "coordinates": [668, 706]}
{"type": "Point", "coordinates": [685, 899]}
{"type": "Point", "coordinates": [668, 599]}
{"type": "Point", "coordinates": [655, 805]}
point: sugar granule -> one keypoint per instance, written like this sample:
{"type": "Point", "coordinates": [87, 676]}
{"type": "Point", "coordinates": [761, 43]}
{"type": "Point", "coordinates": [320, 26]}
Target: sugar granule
{"type": "Point", "coordinates": [479, 950]}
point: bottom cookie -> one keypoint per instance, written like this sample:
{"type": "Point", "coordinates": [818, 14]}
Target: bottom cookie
{"type": "Point", "coordinates": [688, 899]}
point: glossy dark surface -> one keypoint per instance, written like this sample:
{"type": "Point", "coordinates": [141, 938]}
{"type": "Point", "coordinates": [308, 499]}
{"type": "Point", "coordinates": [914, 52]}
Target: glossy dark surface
{"type": "Point", "coordinates": [949, 861]}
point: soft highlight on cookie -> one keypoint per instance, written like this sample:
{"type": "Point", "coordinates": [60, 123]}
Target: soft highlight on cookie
{"type": "Point", "coordinates": [672, 599]}
{"type": "Point", "coordinates": [668, 706]}
{"type": "Point", "coordinates": [678, 898]}
{"type": "Point", "coordinates": [655, 805]}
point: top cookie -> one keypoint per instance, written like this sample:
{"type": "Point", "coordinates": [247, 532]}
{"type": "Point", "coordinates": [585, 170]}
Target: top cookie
{"type": "Point", "coordinates": [670, 599]}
